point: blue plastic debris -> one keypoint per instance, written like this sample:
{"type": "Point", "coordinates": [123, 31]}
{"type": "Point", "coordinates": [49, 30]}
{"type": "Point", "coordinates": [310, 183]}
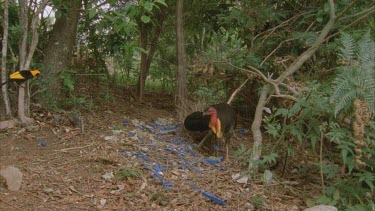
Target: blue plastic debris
{"type": "Point", "coordinates": [131, 134]}
{"type": "Point", "coordinates": [43, 143]}
{"type": "Point", "coordinates": [185, 162]}
{"type": "Point", "coordinates": [213, 198]}
{"type": "Point", "coordinates": [214, 162]}
{"type": "Point", "coordinates": [208, 195]}
{"type": "Point", "coordinates": [155, 170]}
{"type": "Point", "coordinates": [125, 121]}
{"type": "Point", "coordinates": [157, 175]}
{"type": "Point", "coordinates": [165, 144]}
{"type": "Point", "coordinates": [243, 131]}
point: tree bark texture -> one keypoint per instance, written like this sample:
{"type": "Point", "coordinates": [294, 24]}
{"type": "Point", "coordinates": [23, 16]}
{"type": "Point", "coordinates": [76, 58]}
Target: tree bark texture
{"type": "Point", "coordinates": [181, 71]}
{"type": "Point", "coordinates": [24, 55]}
{"type": "Point", "coordinates": [143, 66]}
{"type": "Point", "coordinates": [61, 43]}
{"type": "Point", "coordinates": [4, 72]}
{"type": "Point", "coordinates": [257, 122]}
{"type": "Point", "coordinates": [24, 23]}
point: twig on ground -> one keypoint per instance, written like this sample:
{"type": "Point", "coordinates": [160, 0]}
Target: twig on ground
{"type": "Point", "coordinates": [72, 148]}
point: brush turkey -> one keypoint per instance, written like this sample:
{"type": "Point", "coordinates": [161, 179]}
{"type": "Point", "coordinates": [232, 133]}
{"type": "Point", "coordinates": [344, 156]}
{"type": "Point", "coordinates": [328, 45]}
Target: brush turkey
{"type": "Point", "coordinates": [221, 119]}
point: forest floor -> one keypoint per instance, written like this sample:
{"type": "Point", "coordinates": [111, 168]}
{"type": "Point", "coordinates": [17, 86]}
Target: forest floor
{"type": "Point", "coordinates": [127, 155]}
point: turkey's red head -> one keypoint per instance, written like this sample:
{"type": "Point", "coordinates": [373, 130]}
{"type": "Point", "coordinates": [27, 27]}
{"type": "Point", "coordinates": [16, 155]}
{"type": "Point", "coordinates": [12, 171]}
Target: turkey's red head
{"type": "Point", "coordinates": [215, 123]}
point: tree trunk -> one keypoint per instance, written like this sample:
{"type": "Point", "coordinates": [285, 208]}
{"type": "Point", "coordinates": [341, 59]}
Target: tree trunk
{"type": "Point", "coordinates": [26, 57]}
{"type": "Point", "coordinates": [143, 66]}
{"type": "Point", "coordinates": [146, 59]}
{"type": "Point", "coordinates": [257, 122]}
{"type": "Point", "coordinates": [4, 72]}
{"type": "Point", "coordinates": [61, 43]}
{"type": "Point", "coordinates": [24, 22]}
{"type": "Point", "coordinates": [181, 72]}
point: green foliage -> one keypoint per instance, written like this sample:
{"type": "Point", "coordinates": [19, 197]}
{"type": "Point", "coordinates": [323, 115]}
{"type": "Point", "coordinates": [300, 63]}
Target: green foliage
{"type": "Point", "coordinates": [208, 95]}
{"type": "Point", "coordinates": [72, 100]}
{"type": "Point", "coordinates": [67, 80]}
{"type": "Point", "coordinates": [356, 78]}
{"type": "Point", "coordinates": [305, 121]}
{"type": "Point", "coordinates": [257, 201]}
{"type": "Point", "coordinates": [352, 193]}
{"type": "Point", "coordinates": [128, 172]}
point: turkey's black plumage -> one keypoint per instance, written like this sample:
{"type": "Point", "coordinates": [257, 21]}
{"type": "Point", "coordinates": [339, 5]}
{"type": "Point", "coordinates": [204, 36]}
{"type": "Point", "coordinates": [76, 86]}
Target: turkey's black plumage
{"type": "Point", "coordinates": [197, 122]}
{"type": "Point", "coordinates": [222, 126]}
{"type": "Point", "coordinates": [227, 117]}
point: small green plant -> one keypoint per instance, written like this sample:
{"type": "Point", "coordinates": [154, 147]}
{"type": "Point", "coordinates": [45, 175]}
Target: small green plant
{"type": "Point", "coordinates": [257, 201]}
{"type": "Point", "coordinates": [128, 172]}
{"type": "Point", "coordinates": [72, 100]}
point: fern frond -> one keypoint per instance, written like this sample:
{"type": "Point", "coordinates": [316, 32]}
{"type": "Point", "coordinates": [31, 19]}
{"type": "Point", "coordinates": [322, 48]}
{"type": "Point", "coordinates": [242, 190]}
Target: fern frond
{"type": "Point", "coordinates": [357, 78]}
{"type": "Point", "coordinates": [342, 84]}
{"type": "Point", "coordinates": [347, 52]}
{"type": "Point", "coordinates": [370, 101]}
{"type": "Point", "coordinates": [366, 52]}
{"type": "Point", "coordinates": [346, 101]}
{"type": "Point", "coordinates": [369, 93]}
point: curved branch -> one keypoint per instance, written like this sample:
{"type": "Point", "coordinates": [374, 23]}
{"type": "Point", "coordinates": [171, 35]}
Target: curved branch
{"type": "Point", "coordinates": [269, 81]}
{"type": "Point", "coordinates": [309, 52]}
{"type": "Point", "coordinates": [275, 50]}
{"type": "Point", "coordinates": [236, 91]}
{"type": "Point", "coordinates": [369, 11]}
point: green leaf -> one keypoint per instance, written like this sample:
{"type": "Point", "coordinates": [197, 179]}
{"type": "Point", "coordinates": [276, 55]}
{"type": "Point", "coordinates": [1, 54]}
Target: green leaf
{"type": "Point", "coordinates": [148, 6]}
{"type": "Point", "coordinates": [323, 200]}
{"type": "Point", "coordinates": [92, 13]}
{"type": "Point", "coordinates": [359, 207]}
{"type": "Point", "coordinates": [145, 19]}
{"type": "Point", "coordinates": [344, 155]}
{"type": "Point", "coordinates": [161, 2]}
{"type": "Point", "coordinates": [326, 8]}
{"type": "Point", "coordinates": [57, 14]}
{"type": "Point", "coordinates": [283, 111]}
{"type": "Point", "coordinates": [319, 16]}
{"type": "Point", "coordinates": [336, 195]}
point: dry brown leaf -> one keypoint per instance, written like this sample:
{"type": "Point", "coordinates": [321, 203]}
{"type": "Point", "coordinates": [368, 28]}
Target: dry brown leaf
{"type": "Point", "coordinates": [29, 137]}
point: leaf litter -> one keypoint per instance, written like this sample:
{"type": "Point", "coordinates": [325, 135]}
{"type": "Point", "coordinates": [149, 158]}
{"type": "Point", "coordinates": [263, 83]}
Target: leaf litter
{"type": "Point", "coordinates": [67, 173]}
